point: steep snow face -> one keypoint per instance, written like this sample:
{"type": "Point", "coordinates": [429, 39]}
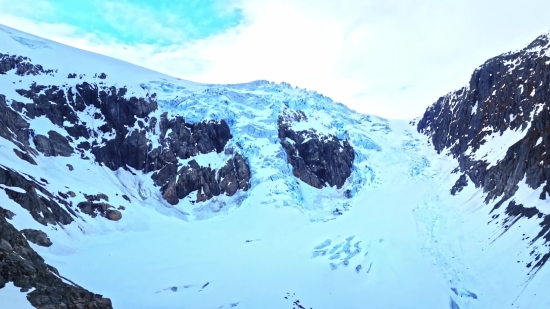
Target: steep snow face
{"type": "Point", "coordinates": [391, 236]}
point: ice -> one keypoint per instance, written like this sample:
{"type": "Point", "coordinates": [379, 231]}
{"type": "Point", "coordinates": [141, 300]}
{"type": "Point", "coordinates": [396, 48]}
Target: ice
{"type": "Point", "coordinates": [404, 239]}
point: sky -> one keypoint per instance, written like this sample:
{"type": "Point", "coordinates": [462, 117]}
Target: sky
{"type": "Point", "coordinates": [391, 58]}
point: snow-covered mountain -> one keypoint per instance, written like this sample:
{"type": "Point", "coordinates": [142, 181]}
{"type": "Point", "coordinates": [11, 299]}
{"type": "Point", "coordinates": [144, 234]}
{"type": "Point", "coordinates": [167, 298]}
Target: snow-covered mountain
{"type": "Point", "coordinates": [156, 192]}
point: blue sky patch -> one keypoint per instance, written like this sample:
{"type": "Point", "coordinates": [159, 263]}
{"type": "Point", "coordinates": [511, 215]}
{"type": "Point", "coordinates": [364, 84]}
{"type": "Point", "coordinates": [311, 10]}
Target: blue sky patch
{"type": "Point", "coordinates": [162, 22]}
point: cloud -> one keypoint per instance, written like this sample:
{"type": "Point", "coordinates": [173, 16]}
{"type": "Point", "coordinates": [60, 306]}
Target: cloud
{"type": "Point", "coordinates": [392, 58]}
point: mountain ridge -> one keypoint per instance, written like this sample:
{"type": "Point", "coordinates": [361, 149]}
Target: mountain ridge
{"type": "Point", "coordinates": [159, 192]}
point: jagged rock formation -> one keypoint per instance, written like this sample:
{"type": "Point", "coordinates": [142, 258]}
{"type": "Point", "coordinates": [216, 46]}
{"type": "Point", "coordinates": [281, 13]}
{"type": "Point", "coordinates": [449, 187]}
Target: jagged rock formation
{"type": "Point", "coordinates": [508, 93]}
{"type": "Point", "coordinates": [316, 159]}
{"type": "Point", "coordinates": [43, 210]}
{"type": "Point", "coordinates": [20, 264]}
{"type": "Point", "coordinates": [124, 139]}
{"type": "Point", "coordinates": [22, 65]}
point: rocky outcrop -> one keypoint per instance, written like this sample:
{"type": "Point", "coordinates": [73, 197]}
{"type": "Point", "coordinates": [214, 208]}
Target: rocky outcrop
{"type": "Point", "coordinates": [186, 140]}
{"type": "Point", "coordinates": [459, 184]}
{"type": "Point", "coordinates": [37, 237]}
{"type": "Point", "coordinates": [20, 264]}
{"type": "Point", "coordinates": [12, 126]}
{"type": "Point", "coordinates": [234, 176]}
{"type": "Point", "coordinates": [316, 159]}
{"type": "Point", "coordinates": [43, 210]}
{"type": "Point", "coordinates": [102, 209]}
{"type": "Point", "coordinates": [22, 65]}
{"type": "Point", "coordinates": [53, 145]}
{"type": "Point", "coordinates": [510, 92]}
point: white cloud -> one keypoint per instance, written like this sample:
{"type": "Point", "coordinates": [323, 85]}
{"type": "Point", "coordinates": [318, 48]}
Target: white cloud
{"type": "Point", "coordinates": [391, 58]}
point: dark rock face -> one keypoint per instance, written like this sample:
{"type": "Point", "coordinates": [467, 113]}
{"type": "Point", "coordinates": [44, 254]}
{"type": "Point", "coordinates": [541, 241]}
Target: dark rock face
{"type": "Point", "coordinates": [316, 159]}
{"type": "Point", "coordinates": [130, 146]}
{"type": "Point", "coordinates": [502, 95]}
{"type": "Point", "coordinates": [20, 264]}
{"type": "Point", "coordinates": [508, 92]}
{"type": "Point", "coordinates": [37, 237]}
{"type": "Point", "coordinates": [12, 126]}
{"type": "Point", "coordinates": [44, 211]}
{"type": "Point", "coordinates": [235, 175]}
{"type": "Point", "coordinates": [53, 145]}
{"type": "Point", "coordinates": [459, 185]}
{"type": "Point", "coordinates": [186, 140]}
{"type": "Point", "coordinates": [22, 65]}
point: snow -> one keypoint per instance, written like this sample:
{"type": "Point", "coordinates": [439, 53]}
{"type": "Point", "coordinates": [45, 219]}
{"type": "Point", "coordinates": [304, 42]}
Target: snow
{"type": "Point", "coordinates": [496, 145]}
{"type": "Point", "coordinates": [12, 298]}
{"type": "Point", "coordinates": [16, 189]}
{"type": "Point", "coordinates": [398, 240]}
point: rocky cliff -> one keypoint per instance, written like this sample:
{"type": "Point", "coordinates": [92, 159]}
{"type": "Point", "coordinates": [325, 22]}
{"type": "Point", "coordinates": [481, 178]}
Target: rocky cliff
{"type": "Point", "coordinates": [498, 129]}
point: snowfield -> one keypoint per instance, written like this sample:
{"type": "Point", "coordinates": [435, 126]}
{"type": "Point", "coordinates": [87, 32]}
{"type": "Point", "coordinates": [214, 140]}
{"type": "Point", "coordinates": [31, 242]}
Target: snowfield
{"type": "Point", "coordinates": [398, 239]}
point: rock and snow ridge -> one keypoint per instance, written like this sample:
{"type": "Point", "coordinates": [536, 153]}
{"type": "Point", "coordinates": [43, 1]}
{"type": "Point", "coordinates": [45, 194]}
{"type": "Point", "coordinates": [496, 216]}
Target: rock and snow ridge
{"type": "Point", "coordinates": [163, 193]}
{"type": "Point", "coordinates": [498, 128]}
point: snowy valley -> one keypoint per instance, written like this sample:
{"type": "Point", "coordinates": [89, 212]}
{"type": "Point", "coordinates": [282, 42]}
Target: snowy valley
{"type": "Point", "coordinates": [121, 187]}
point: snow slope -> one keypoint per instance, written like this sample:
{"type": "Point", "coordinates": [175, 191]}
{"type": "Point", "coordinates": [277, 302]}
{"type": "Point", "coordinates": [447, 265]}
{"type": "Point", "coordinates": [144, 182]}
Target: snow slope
{"type": "Point", "coordinates": [402, 241]}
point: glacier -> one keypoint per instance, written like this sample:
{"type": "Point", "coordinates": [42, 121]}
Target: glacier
{"type": "Point", "coordinates": [392, 236]}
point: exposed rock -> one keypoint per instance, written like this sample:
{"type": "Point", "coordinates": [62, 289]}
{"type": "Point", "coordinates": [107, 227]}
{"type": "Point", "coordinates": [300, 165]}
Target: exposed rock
{"type": "Point", "coordinates": [54, 145]}
{"type": "Point", "coordinates": [316, 159]}
{"type": "Point", "coordinates": [96, 198]}
{"type": "Point", "coordinates": [21, 65]}
{"type": "Point", "coordinates": [459, 185]}
{"type": "Point", "coordinates": [501, 96]}
{"type": "Point", "coordinates": [71, 168]}
{"type": "Point", "coordinates": [509, 92]}
{"type": "Point", "coordinates": [93, 209]}
{"type": "Point", "coordinates": [24, 156]}
{"type": "Point", "coordinates": [235, 175]}
{"type": "Point", "coordinates": [6, 213]}
{"type": "Point", "coordinates": [37, 237]}
{"type": "Point", "coordinates": [20, 264]}
{"type": "Point", "coordinates": [113, 215]}
{"type": "Point", "coordinates": [43, 210]}
{"type": "Point", "coordinates": [12, 126]}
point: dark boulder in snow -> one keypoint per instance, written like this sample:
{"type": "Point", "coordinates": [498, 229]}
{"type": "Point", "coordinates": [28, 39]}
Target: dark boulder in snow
{"type": "Point", "coordinates": [102, 209]}
{"type": "Point", "coordinates": [37, 237]}
{"type": "Point", "coordinates": [113, 215]}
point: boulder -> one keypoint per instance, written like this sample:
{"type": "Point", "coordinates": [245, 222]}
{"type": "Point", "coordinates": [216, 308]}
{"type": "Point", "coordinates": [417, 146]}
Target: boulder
{"type": "Point", "coordinates": [113, 215]}
{"type": "Point", "coordinates": [37, 237]}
